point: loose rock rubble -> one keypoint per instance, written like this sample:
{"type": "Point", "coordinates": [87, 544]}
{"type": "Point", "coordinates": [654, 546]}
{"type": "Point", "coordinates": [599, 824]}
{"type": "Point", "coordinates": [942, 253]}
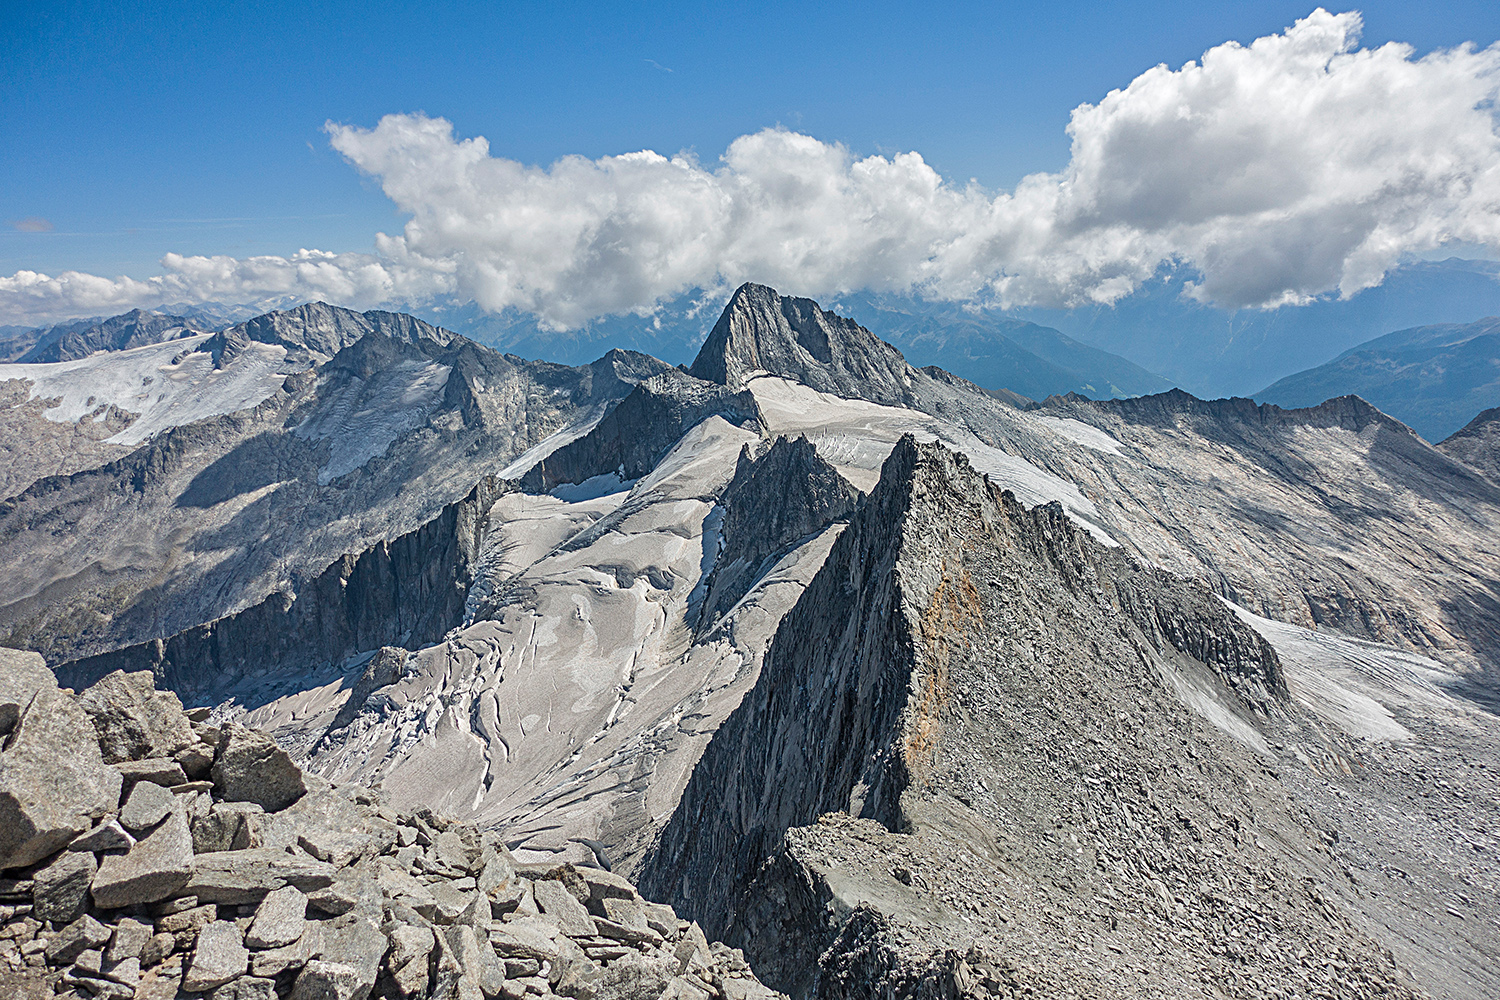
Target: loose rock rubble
{"type": "Point", "coordinates": [149, 854]}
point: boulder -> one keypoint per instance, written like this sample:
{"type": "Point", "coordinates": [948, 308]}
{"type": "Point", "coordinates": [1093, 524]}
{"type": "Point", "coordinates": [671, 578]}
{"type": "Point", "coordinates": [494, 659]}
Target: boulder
{"type": "Point", "coordinates": [478, 960]}
{"type": "Point", "coordinates": [54, 783]}
{"type": "Point", "coordinates": [320, 980]}
{"type": "Point", "coordinates": [407, 960]}
{"type": "Point", "coordinates": [83, 934]}
{"type": "Point", "coordinates": [247, 876]}
{"type": "Point", "coordinates": [252, 768]}
{"type": "Point", "coordinates": [147, 805]}
{"type": "Point", "coordinates": [134, 720]}
{"type": "Point", "coordinates": [22, 675]}
{"type": "Point", "coordinates": [279, 919]}
{"type": "Point", "coordinates": [61, 890]}
{"type": "Point", "coordinates": [157, 770]}
{"type": "Point", "coordinates": [562, 908]}
{"type": "Point", "coordinates": [153, 869]}
{"type": "Point", "coordinates": [188, 922]}
{"type": "Point", "coordinates": [224, 827]}
{"type": "Point", "coordinates": [355, 939]}
{"type": "Point", "coordinates": [130, 940]}
{"type": "Point", "coordinates": [107, 836]}
{"type": "Point", "coordinates": [219, 957]}
{"type": "Point", "coordinates": [247, 988]}
{"type": "Point", "coordinates": [275, 961]}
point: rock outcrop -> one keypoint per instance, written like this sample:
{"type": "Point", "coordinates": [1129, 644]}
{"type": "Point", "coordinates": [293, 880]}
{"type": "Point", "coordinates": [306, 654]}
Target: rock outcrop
{"type": "Point", "coordinates": [318, 891]}
{"type": "Point", "coordinates": [967, 768]}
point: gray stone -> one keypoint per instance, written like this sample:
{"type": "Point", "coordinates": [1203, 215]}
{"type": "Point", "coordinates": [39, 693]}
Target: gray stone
{"type": "Point", "coordinates": [252, 768]}
{"type": "Point", "coordinates": [275, 961]}
{"type": "Point", "coordinates": [407, 960]}
{"type": "Point", "coordinates": [147, 806]}
{"type": "Point", "coordinates": [320, 980]}
{"type": "Point", "coordinates": [451, 852]}
{"type": "Point", "coordinates": [660, 917]}
{"type": "Point", "coordinates": [130, 939]}
{"type": "Point", "coordinates": [247, 988]}
{"type": "Point", "coordinates": [22, 675]}
{"type": "Point", "coordinates": [134, 720]}
{"type": "Point", "coordinates": [157, 770]}
{"type": "Point", "coordinates": [246, 876]}
{"type": "Point", "coordinates": [449, 902]}
{"type": "Point", "coordinates": [355, 939]}
{"type": "Point", "coordinates": [604, 885]}
{"type": "Point", "coordinates": [477, 959]}
{"type": "Point", "coordinates": [189, 921]}
{"type": "Point", "coordinates": [107, 836]}
{"type": "Point", "coordinates": [153, 869]}
{"type": "Point", "coordinates": [279, 919]}
{"type": "Point", "coordinates": [61, 890]}
{"type": "Point", "coordinates": [682, 988]}
{"type": "Point", "coordinates": [83, 934]}
{"type": "Point", "coordinates": [219, 957]}
{"type": "Point", "coordinates": [196, 761]}
{"type": "Point", "coordinates": [525, 938]}
{"type": "Point", "coordinates": [158, 948]}
{"type": "Point", "coordinates": [224, 827]}
{"type": "Point", "coordinates": [562, 908]}
{"type": "Point", "coordinates": [126, 972]}
{"type": "Point", "coordinates": [53, 782]}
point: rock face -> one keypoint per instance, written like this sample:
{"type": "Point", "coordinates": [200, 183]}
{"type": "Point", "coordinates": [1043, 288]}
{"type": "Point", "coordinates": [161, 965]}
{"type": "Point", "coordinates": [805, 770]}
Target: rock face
{"type": "Point", "coordinates": [783, 496]}
{"type": "Point", "coordinates": [760, 330]}
{"type": "Point", "coordinates": [1477, 443]}
{"type": "Point", "coordinates": [423, 908]}
{"type": "Point", "coordinates": [953, 695]}
{"type": "Point", "coordinates": [53, 780]}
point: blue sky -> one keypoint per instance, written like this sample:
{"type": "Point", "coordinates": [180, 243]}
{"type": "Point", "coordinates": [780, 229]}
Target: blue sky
{"type": "Point", "coordinates": [139, 130]}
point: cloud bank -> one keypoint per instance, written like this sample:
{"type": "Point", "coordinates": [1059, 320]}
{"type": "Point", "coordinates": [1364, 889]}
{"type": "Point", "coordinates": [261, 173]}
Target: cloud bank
{"type": "Point", "coordinates": [1295, 166]}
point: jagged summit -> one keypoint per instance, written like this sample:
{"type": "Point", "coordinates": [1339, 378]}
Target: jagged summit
{"type": "Point", "coordinates": [323, 330]}
{"type": "Point", "coordinates": [762, 330]}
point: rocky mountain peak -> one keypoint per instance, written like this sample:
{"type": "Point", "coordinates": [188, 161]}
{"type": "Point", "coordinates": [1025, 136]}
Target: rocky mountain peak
{"type": "Point", "coordinates": [795, 338]}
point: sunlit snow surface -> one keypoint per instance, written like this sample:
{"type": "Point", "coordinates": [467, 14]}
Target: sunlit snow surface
{"type": "Point", "coordinates": [857, 437]}
{"type": "Point", "coordinates": [162, 385]}
{"type": "Point", "coordinates": [362, 418]}
{"type": "Point", "coordinates": [1353, 683]}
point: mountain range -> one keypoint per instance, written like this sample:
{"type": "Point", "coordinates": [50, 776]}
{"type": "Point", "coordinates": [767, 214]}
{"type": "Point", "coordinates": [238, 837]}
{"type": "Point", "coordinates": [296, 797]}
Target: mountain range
{"type": "Point", "coordinates": [899, 685]}
{"type": "Point", "coordinates": [1435, 378]}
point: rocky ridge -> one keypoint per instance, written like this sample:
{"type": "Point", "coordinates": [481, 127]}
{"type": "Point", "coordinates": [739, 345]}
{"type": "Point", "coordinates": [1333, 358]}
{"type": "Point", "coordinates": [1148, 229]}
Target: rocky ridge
{"type": "Point", "coordinates": [969, 768]}
{"type": "Point", "coordinates": [147, 853]}
{"type": "Point", "coordinates": [1477, 443]}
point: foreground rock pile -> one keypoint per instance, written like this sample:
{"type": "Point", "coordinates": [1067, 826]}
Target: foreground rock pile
{"type": "Point", "coordinates": [145, 853]}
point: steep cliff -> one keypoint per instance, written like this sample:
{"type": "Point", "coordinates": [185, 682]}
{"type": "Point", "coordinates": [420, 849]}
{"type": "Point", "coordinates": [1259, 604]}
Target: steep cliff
{"type": "Point", "coordinates": [409, 591]}
{"type": "Point", "coordinates": [988, 711]}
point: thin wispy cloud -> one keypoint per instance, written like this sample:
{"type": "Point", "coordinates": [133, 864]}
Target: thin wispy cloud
{"type": "Point", "coordinates": [1293, 167]}
{"type": "Point", "coordinates": [33, 224]}
{"type": "Point", "coordinates": [657, 65]}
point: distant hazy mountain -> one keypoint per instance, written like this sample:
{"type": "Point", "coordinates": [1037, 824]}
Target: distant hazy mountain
{"type": "Point", "coordinates": [997, 352]}
{"type": "Point", "coordinates": [1435, 378]}
{"type": "Point", "coordinates": [984, 347]}
{"type": "Point", "coordinates": [1211, 352]}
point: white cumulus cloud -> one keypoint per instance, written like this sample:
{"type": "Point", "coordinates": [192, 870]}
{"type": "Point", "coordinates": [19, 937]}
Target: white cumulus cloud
{"type": "Point", "coordinates": [1294, 166]}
